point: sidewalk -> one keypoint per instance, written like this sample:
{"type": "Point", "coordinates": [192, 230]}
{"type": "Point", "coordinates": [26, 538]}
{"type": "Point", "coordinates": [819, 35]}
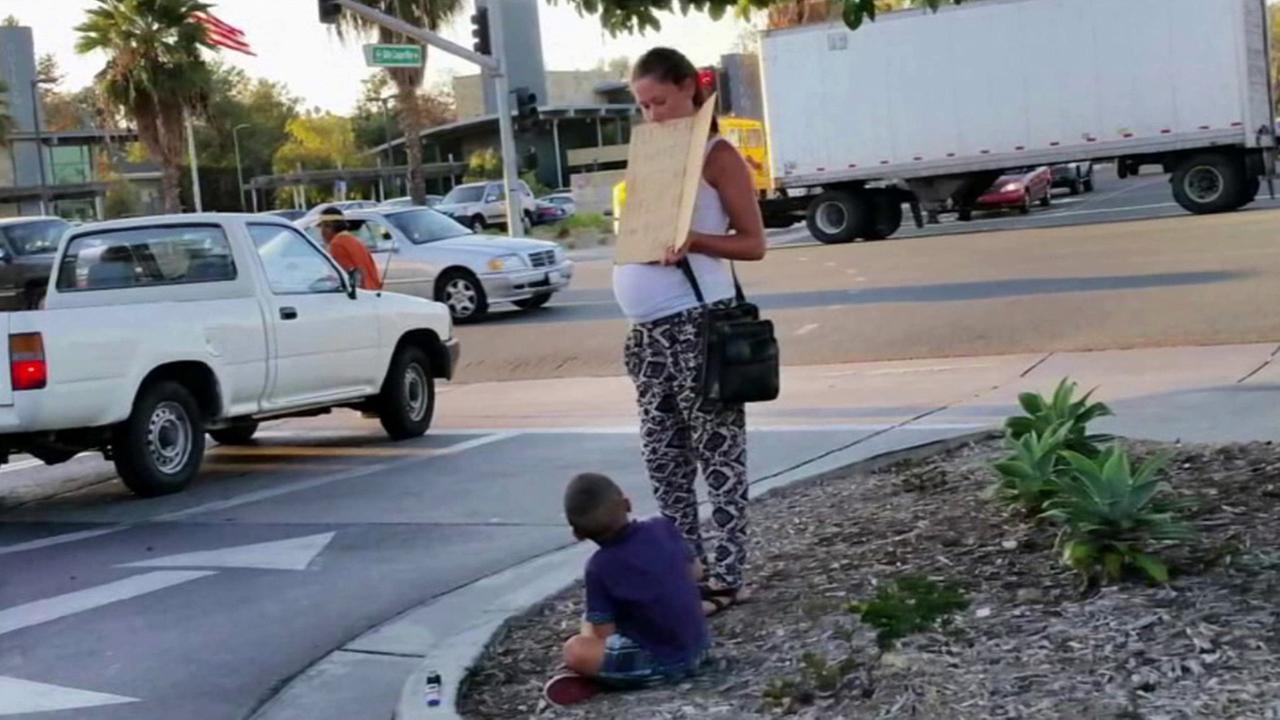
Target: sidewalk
{"type": "Point", "coordinates": [1196, 394]}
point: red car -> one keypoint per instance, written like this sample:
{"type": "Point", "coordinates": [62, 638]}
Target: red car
{"type": "Point", "coordinates": [1017, 189]}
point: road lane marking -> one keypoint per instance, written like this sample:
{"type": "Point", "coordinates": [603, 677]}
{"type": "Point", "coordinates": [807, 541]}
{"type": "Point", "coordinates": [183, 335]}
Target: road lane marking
{"type": "Point", "coordinates": [807, 329]}
{"type": "Point", "coordinates": [258, 496]}
{"type": "Point", "coordinates": [289, 554]}
{"type": "Point", "coordinates": [18, 697]}
{"type": "Point", "coordinates": [60, 606]}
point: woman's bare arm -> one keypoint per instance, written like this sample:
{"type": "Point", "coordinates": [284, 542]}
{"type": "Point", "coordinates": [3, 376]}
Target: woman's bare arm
{"type": "Point", "coordinates": [729, 174]}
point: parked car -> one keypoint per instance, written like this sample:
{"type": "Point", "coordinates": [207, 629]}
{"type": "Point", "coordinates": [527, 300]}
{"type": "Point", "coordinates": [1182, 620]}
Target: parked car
{"type": "Point", "coordinates": [563, 200]}
{"type": "Point", "coordinates": [245, 320]}
{"type": "Point", "coordinates": [425, 253]}
{"type": "Point", "coordinates": [545, 213]}
{"type": "Point", "coordinates": [27, 246]}
{"type": "Point", "coordinates": [343, 205]}
{"type": "Point", "coordinates": [1077, 176]}
{"type": "Point", "coordinates": [288, 214]}
{"type": "Point", "coordinates": [432, 201]}
{"type": "Point", "coordinates": [1018, 189]}
{"type": "Point", "coordinates": [484, 204]}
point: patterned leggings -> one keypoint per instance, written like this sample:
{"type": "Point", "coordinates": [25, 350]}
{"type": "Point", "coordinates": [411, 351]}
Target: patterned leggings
{"type": "Point", "coordinates": [682, 433]}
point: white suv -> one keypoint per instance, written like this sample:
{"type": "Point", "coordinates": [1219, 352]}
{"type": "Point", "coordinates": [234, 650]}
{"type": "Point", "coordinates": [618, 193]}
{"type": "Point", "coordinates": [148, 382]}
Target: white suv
{"type": "Point", "coordinates": [484, 204]}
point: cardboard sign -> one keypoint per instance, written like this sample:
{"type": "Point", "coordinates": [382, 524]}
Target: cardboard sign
{"type": "Point", "coordinates": [664, 165]}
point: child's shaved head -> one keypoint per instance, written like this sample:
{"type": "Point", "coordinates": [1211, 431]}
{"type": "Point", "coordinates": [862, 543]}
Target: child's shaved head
{"type": "Point", "coordinates": [595, 506]}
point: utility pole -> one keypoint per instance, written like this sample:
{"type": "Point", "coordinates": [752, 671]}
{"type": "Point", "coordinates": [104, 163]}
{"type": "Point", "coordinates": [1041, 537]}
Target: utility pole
{"type": "Point", "coordinates": [35, 126]}
{"type": "Point", "coordinates": [195, 167]}
{"type": "Point", "coordinates": [494, 67]}
{"type": "Point", "coordinates": [235, 140]}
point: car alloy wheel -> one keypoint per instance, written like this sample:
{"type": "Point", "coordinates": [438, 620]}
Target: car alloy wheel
{"type": "Point", "coordinates": [461, 297]}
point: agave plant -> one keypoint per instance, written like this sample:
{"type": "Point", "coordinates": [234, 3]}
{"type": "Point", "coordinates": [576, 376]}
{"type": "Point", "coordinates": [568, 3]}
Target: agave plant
{"type": "Point", "coordinates": [1029, 477]}
{"type": "Point", "coordinates": [1112, 516]}
{"type": "Point", "coordinates": [1044, 414]}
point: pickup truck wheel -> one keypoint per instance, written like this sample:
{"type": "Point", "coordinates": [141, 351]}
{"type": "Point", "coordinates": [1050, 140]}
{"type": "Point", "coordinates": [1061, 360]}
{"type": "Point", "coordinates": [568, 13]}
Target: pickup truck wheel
{"type": "Point", "coordinates": [408, 398]}
{"type": "Point", "coordinates": [158, 450]}
{"type": "Point", "coordinates": [464, 295]}
{"type": "Point", "coordinates": [839, 216]}
{"type": "Point", "coordinates": [241, 434]}
{"type": "Point", "coordinates": [478, 224]}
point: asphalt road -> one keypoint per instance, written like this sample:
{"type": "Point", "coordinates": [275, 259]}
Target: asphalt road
{"type": "Point", "coordinates": [1122, 267]}
{"type": "Point", "coordinates": [202, 605]}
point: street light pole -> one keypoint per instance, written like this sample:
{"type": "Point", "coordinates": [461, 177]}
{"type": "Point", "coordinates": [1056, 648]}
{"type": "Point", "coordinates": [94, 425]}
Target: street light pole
{"type": "Point", "coordinates": [35, 122]}
{"type": "Point", "coordinates": [386, 138]}
{"type": "Point", "coordinates": [235, 140]}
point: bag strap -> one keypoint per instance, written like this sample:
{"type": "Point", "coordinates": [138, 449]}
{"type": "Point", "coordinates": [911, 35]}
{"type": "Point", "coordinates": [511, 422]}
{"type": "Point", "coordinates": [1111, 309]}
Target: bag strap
{"type": "Point", "coordinates": [687, 269]}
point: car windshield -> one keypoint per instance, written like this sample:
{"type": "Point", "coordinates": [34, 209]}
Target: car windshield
{"type": "Point", "coordinates": [426, 226]}
{"type": "Point", "coordinates": [465, 194]}
{"type": "Point", "coordinates": [36, 237]}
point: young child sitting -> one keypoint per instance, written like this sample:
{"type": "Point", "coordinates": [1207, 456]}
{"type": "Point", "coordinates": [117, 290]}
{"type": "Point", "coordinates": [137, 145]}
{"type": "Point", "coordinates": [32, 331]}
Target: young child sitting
{"type": "Point", "coordinates": [644, 623]}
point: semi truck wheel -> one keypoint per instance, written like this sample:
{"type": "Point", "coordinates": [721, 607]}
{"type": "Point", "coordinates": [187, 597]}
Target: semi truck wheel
{"type": "Point", "coordinates": [1251, 187]}
{"type": "Point", "coordinates": [158, 450]}
{"type": "Point", "coordinates": [886, 216]}
{"type": "Point", "coordinates": [839, 216]}
{"type": "Point", "coordinates": [408, 398]}
{"type": "Point", "coordinates": [1210, 183]}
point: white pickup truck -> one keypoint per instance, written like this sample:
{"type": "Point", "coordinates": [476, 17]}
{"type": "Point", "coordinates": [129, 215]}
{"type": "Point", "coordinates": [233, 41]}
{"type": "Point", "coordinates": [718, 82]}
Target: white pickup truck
{"type": "Point", "coordinates": [158, 330]}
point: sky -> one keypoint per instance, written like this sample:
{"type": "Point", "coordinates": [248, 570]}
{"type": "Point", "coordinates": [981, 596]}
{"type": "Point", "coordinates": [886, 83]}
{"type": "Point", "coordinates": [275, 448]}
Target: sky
{"type": "Point", "coordinates": [294, 48]}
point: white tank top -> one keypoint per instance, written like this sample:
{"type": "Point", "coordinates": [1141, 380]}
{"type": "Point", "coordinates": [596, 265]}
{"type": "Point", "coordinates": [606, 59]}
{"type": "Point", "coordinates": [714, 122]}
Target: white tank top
{"type": "Point", "coordinates": [651, 292]}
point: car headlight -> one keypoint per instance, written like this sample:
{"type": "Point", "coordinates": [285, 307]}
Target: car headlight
{"type": "Point", "coordinates": [506, 263]}
{"type": "Point", "coordinates": [1011, 187]}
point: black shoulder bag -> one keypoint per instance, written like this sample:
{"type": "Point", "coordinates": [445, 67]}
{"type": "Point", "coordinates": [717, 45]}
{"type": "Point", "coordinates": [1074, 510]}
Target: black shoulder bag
{"type": "Point", "coordinates": [741, 354]}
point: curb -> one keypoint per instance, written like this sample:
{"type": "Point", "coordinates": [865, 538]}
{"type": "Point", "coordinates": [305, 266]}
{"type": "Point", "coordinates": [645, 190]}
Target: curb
{"type": "Point", "coordinates": [451, 648]}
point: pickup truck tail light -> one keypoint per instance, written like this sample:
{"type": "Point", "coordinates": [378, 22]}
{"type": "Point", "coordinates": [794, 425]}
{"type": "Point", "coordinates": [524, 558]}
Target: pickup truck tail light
{"type": "Point", "coordinates": [27, 365]}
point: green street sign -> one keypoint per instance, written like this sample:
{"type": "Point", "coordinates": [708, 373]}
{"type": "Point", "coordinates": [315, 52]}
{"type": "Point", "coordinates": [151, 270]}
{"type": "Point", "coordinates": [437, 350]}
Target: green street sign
{"type": "Point", "coordinates": [393, 55]}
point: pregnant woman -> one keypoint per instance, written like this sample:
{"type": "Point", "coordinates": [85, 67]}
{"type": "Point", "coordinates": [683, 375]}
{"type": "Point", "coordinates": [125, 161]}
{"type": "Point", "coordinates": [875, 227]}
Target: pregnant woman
{"type": "Point", "coordinates": [682, 432]}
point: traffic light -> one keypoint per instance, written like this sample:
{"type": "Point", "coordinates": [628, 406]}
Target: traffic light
{"type": "Point", "coordinates": [480, 31]}
{"type": "Point", "coordinates": [329, 11]}
{"type": "Point", "coordinates": [526, 107]}
{"type": "Point", "coordinates": [708, 81]}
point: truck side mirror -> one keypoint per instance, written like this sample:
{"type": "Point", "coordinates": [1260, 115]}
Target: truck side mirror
{"type": "Point", "coordinates": [5, 256]}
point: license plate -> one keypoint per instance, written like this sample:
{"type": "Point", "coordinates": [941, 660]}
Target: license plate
{"type": "Point", "coordinates": [554, 278]}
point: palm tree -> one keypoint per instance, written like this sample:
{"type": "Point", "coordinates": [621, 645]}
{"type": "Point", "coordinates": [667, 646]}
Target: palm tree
{"type": "Point", "coordinates": [429, 14]}
{"type": "Point", "coordinates": [6, 120]}
{"type": "Point", "coordinates": [154, 73]}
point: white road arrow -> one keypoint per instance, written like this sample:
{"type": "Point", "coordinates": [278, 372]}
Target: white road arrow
{"type": "Point", "coordinates": [23, 696]}
{"type": "Point", "coordinates": [291, 554]}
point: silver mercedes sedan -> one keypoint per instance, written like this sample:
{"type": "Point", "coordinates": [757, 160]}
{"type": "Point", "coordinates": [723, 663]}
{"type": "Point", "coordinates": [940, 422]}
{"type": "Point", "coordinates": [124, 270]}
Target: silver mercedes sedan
{"type": "Point", "coordinates": [422, 252]}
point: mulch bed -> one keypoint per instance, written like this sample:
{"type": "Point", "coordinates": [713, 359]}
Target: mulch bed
{"type": "Point", "coordinates": [1032, 644]}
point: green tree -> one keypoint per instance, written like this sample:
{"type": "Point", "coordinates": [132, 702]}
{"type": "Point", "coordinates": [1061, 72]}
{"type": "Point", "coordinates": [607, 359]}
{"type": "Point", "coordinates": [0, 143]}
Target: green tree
{"type": "Point", "coordinates": [154, 73]}
{"type": "Point", "coordinates": [318, 141]}
{"type": "Point", "coordinates": [262, 110]}
{"type": "Point", "coordinates": [10, 21]}
{"type": "Point", "coordinates": [630, 16]}
{"type": "Point", "coordinates": [429, 14]}
{"type": "Point", "coordinates": [484, 164]}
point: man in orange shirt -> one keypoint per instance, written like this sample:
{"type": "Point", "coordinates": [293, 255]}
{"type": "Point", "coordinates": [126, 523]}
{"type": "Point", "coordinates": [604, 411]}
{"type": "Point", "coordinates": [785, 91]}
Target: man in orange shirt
{"type": "Point", "coordinates": [347, 250]}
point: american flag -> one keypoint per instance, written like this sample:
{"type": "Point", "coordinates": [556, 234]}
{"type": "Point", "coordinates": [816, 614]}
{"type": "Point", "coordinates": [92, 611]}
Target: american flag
{"type": "Point", "coordinates": [222, 34]}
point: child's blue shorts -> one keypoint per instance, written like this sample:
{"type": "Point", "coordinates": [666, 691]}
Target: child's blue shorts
{"type": "Point", "coordinates": [627, 665]}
